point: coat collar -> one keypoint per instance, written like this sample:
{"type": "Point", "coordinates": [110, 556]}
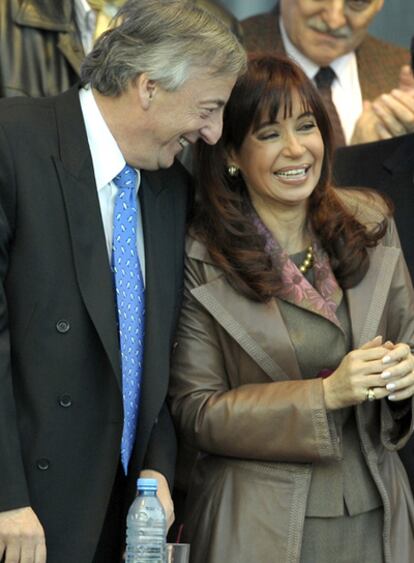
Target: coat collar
{"type": "Point", "coordinates": [50, 15]}
{"type": "Point", "coordinates": [260, 330]}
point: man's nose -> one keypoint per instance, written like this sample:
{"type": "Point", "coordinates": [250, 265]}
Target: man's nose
{"type": "Point", "coordinates": [212, 130]}
{"type": "Point", "coordinates": [334, 14]}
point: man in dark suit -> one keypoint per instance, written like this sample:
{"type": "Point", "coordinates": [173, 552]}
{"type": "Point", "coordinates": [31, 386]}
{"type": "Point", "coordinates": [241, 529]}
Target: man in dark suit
{"type": "Point", "coordinates": [333, 36]}
{"type": "Point", "coordinates": [387, 166]}
{"type": "Point", "coordinates": [71, 448]}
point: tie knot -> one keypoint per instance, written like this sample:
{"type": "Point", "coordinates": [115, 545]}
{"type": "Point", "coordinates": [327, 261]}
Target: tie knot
{"type": "Point", "coordinates": [127, 178]}
{"type": "Point", "coordinates": [324, 77]}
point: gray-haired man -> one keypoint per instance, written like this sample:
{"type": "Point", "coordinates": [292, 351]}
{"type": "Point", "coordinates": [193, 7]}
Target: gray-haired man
{"type": "Point", "coordinates": [155, 83]}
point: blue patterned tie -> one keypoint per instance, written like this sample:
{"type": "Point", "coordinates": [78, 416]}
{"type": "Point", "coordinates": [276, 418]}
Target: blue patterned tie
{"type": "Point", "coordinates": [130, 300]}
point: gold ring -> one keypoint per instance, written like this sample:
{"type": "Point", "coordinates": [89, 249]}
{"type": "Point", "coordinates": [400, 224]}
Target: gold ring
{"type": "Point", "coordinates": [370, 395]}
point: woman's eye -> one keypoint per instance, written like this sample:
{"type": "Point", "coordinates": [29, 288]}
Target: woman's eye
{"type": "Point", "coordinates": [307, 126]}
{"type": "Point", "coordinates": [268, 135]}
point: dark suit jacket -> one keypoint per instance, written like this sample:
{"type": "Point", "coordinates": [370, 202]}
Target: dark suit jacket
{"type": "Point", "coordinates": [60, 383]}
{"type": "Point", "coordinates": [378, 62]}
{"type": "Point", "coordinates": [389, 167]}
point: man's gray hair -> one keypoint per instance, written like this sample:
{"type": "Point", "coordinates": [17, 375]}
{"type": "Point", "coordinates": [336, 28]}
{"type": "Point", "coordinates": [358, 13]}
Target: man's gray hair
{"type": "Point", "coordinates": [167, 39]}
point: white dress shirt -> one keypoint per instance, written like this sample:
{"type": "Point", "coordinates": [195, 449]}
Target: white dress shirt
{"type": "Point", "coordinates": [346, 89]}
{"type": "Point", "coordinates": [86, 22]}
{"type": "Point", "coordinates": [108, 161]}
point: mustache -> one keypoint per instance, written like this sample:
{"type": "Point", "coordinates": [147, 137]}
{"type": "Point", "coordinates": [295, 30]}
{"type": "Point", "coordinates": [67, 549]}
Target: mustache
{"type": "Point", "coordinates": [344, 32]}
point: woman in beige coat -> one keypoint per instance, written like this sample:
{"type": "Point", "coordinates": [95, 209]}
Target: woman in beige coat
{"type": "Point", "coordinates": [292, 374]}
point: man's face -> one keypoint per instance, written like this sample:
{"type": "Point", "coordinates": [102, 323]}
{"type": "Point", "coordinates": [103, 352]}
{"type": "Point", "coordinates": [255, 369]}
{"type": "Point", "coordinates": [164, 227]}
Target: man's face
{"type": "Point", "coordinates": [323, 30]}
{"type": "Point", "coordinates": [178, 119]}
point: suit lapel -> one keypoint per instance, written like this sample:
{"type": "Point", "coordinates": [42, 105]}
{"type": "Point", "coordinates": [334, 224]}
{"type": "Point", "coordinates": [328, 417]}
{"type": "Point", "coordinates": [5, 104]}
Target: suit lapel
{"type": "Point", "coordinates": [366, 301]}
{"type": "Point", "coordinates": [402, 159]}
{"type": "Point", "coordinates": [157, 207]}
{"type": "Point", "coordinates": [77, 181]}
{"type": "Point", "coordinates": [258, 328]}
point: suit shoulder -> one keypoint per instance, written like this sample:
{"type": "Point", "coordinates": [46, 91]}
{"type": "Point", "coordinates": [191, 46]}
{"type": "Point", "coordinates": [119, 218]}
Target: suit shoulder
{"type": "Point", "coordinates": [180, 176]}
{"type": "Point", "coordinates": [380, 47]}
{"type": "Point", "coordinates": [261, 32]}
{"type": "Point", "coordinates": [26, 119]}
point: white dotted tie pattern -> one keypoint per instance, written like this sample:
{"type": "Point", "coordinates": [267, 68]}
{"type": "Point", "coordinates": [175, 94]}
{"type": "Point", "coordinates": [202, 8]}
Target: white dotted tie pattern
{"type": "Point", "coordinates": [130, 301]}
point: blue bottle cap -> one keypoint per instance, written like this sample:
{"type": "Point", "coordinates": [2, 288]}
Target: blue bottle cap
{"type": "Point", "coordinates": [147, 484]}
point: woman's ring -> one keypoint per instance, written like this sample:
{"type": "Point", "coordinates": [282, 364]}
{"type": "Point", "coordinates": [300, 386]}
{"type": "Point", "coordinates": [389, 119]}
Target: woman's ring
{"type": "Point", "coordinates": [370, 395]}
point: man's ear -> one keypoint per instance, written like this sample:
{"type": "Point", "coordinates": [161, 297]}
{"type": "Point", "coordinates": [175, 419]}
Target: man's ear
{"type": "Point", "coordinates": [146, 90]}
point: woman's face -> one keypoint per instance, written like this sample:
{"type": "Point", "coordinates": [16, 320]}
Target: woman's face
{"type": "Point", "coordinates": [281, 162]}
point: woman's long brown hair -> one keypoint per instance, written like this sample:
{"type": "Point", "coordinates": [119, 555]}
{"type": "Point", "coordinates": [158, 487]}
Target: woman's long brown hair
{"type": "Point", "coordinates": [222, 218]}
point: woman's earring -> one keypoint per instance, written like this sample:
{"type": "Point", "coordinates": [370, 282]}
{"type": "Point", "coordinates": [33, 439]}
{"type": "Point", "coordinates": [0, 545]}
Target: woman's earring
{"type": "Point", "coordinates": [232, 170]}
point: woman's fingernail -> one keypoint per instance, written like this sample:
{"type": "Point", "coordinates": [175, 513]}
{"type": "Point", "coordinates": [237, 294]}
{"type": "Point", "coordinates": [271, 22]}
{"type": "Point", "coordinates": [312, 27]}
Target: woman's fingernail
{"type": "Point", "coordinates": [390, 386]}
{"type": "Point", "coordinates": [386, 359]}
{"type": "Point", "coordinates": [391, 397]}
{"type": "Point", "coordinates": [386, 374]}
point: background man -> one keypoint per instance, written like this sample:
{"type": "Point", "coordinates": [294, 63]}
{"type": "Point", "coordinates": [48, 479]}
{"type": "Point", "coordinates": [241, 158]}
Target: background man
{"type": "Point", "coordinates": [330, 40]}
{"type": "Point", "coordinates": [84, 353]}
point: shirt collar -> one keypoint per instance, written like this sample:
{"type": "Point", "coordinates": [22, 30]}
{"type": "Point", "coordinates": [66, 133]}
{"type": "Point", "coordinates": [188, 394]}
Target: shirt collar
{"type": "Point", "coordinates": [84, 15]}
{"type": "Point", "coordinates": [107, 158]}
{"type": "Point", "coordinates": [342, 66]}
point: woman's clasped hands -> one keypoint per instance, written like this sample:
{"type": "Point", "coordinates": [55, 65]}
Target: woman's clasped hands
{"type": "Point", "coordinates": [374, 371]}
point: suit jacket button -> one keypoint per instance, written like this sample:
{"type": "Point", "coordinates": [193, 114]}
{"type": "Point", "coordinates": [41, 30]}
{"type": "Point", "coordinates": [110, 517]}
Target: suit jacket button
{"type": "Point", "coordinates": [43, 464]}
{"type": "Point", "coordinates": [65, 401]}
{"type": "Point", "coordinates": [63, 326]}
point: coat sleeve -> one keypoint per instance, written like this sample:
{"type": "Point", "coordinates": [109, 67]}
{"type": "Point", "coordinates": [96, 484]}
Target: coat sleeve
{"type": "Point", "coordinates": [162, 447]}
{"type": "Point", "coordinates": [396, 418]}
{"type": "Point", "coordinates": [13, 485]}
{"type": "Point", "coordinates": [269, 421]}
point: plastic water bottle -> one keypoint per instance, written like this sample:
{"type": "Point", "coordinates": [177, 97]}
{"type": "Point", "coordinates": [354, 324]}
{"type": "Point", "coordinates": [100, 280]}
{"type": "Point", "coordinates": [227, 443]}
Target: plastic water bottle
{"type": "Point", "coordinates": [146, 526]}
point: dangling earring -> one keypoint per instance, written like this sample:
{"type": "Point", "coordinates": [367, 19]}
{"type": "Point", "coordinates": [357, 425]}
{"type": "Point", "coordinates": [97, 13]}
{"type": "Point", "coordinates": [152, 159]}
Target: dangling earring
{"type": "Point", "coordinates": [233, 170]}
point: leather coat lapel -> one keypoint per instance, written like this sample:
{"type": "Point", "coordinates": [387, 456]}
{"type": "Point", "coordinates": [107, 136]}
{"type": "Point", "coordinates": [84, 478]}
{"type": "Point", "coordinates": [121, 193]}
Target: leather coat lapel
{"type": "Point", "coordinates": [85, 224]}
{"type": "Point", "coordinates": [259, 329]}
{"type": "Point", "coordinates": [55, 17]}
{"type": "Point", "coordinates": [366, 301]}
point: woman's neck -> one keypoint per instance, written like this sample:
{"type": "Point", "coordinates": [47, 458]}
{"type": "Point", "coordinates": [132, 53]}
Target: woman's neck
{"type": "Point", "coordinates": [288, 226]}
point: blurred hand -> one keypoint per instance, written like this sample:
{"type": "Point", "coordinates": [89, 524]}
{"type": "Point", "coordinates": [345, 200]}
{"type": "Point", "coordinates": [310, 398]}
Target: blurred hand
{"type": "Point", "coordinates": [368, 128]}
{"type": "Point", "coordinates": [22, 539]}
{"type": "Point", "coordinates": [389, 115]}
{"type": "Point", "coordinates": [395, 112]}
{"type": "Point", "coordinates": [406, 79]}
{"type": "Point", "coordinates": [163, 493]}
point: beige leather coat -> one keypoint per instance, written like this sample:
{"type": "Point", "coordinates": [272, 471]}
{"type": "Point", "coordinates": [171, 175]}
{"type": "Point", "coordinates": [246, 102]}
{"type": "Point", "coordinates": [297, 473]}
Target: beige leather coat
{"type": "Point", "coordinates": [237, 395]}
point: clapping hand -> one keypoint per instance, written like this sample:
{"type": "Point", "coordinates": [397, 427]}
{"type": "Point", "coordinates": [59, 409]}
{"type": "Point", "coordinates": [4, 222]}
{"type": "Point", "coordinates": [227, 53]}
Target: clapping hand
{"type": "Point", "coordinates": [389, 115]}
